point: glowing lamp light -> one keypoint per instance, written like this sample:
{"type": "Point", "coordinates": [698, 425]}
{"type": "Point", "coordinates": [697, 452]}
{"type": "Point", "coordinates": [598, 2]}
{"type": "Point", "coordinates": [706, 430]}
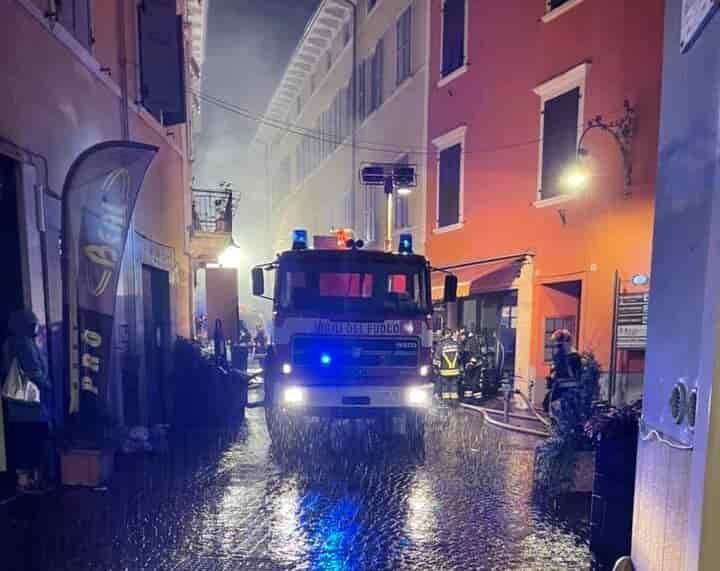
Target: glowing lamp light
{"type": "Point", "coordinates": [230, 258]}
{"type": "Point", "coordinates": [325, 359]}
{"type": "Point", "coordinates": [404, 190]}
{"type": "Point", "coordinates": [576, 178]}
{"type": "Point", "coordinates": [640, 280]}
{"type": "Point", "coordinates": [424, 370]}
{"type": "Point", "coordinates": [286, 368]}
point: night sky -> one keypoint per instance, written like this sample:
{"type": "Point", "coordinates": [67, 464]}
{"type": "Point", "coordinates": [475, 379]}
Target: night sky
{"type": "Point", "coordinates": [249, 43]}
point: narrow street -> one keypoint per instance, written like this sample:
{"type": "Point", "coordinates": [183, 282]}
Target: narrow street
{"type": "Point", "coordinates": [223, 501]}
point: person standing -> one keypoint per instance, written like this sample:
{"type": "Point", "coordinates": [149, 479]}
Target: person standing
{"type": "Point", "coordinates": [27, 421]}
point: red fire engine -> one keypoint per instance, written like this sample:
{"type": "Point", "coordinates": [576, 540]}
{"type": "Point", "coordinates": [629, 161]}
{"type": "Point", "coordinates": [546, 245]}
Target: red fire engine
{"type": "Point", "coordinates": [351, 333]}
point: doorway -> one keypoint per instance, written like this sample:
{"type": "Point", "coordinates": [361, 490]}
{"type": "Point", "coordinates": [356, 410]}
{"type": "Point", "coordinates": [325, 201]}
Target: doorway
{"type": "Point", "coordinates": [156, 312]}
{"type": "Point", "coordinates": [560, 310]}
{"type": "Point", "coordinates": [11, 286]}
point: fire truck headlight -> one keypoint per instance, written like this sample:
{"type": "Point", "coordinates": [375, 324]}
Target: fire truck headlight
{"type": "Point", "coordinates": [293, 396]}
{"type": "Point", "coordinates": [286, 368]}
{"type": "Point", "coordinates": [417, 397]}
{"type": "Point", "coordinates": [424, 370]}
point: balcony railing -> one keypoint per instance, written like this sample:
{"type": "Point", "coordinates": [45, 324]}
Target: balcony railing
{"type": "Point", "coordinates": [213, 210]}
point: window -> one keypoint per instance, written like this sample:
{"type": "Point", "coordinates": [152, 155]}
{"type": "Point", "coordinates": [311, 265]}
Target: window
{"type": "Point", "coordinates": [362, 90]}
{"type": "Point", "coordinates": [401, 208]}
{"type": "Point", "coordinates": [450, 178]}
{"type": "Point", "coordinates": [345, 284]}
{"type": "Point", "coordinates": [371, 215]}
{"type": "Point", "coordinates": [371, 5]}
{"type": "Point", "coordinates": [376, 77]}
{"type": "Point", "coordinates": [403, 57]}
{"type": "Point", "coordinates": [449, 186]}
{"type": "Point", "coordinates": [402, 212]}
{"type": "Point", "coordinates": [552, 4]}
{"type": "Point", "coordinates": [74, 15]}
{"type": "Point", "coordinates": [298, 105]}
{"type": "Point", "coordinates": [361, 287]}
{"type": "Point", "coordinates": [348, 109]}
{"type": "Point", "coordinates": [552, 324]}
{"type": "Point", "coordinates": [453, 36]}
{"type": "Point", "coordinates": [346, 33]}
{"type": "Point", "coordinates": [312, 83]}
{"type": "Point", "coordinates": [560, 132]}
{"type": "Point", "coordinates": [162, 62]}
{"type": "Point", "coordinates": [561, 106]}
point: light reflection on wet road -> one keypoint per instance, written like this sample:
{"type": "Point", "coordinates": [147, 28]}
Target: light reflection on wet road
{"type": "Point", "coordinates": [464, 504]}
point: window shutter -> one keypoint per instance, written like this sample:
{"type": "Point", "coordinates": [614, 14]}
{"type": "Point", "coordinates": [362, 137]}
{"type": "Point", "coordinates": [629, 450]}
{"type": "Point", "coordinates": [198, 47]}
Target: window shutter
{"type": "Point", "coordinates": [162, 60]}
{"type": "Point", "coordinates": [560, 129]}
{"type": "Point", "coordinates": [453, 35]}
{"type": "Point", "coordinates": [449, 186]}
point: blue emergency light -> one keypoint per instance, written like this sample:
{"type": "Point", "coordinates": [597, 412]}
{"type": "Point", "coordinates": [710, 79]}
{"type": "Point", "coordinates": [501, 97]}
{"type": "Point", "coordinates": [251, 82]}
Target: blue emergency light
{"type": "Point", "coordinates": [406, 246]}
{"type": "Point", "coordinates": [299, 239]}
{"type": "Point", "coordinates": [325, 359]}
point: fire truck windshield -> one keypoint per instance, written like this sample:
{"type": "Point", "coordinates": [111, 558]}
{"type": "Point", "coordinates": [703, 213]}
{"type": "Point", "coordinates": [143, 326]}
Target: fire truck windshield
{"type": "Point", "coordinates": [396, 289]}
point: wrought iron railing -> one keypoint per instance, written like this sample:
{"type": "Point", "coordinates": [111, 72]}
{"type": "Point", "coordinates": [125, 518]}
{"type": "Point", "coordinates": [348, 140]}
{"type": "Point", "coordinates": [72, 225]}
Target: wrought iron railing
{"type": "Point", "coordinates": [213, 210]}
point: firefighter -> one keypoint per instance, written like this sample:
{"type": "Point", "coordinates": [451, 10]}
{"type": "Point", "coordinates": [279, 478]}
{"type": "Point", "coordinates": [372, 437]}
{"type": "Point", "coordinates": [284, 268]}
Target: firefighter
{"type": "Point", "coordinates": [564, 383]}
{"type": "Point", "coordinates": [447, 361]}
{"type": "Point", "coordinates": [473, 364]}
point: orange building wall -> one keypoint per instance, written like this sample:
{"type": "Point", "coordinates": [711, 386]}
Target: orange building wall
{"type": "Point", "coordinates": [54, 104]}
{"type": "Point", "coordinates": [511, 51]}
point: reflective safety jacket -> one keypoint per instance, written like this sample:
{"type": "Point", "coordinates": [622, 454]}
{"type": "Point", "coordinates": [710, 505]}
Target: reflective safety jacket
{"type": "Point", "coordinates": [447, 358]}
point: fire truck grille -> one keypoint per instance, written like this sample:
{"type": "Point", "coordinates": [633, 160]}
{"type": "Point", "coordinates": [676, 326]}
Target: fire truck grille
{"type": "Point", "coordinates": [355, 352]}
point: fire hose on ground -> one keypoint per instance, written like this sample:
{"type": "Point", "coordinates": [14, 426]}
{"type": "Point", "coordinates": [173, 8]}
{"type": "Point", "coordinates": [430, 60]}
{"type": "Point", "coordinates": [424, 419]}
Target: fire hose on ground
{"type": "Point", "coordinates": [489, 412]}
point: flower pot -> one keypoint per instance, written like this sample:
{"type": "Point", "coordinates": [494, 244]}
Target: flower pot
{"type": "Point", "coordinates": [87, 468]}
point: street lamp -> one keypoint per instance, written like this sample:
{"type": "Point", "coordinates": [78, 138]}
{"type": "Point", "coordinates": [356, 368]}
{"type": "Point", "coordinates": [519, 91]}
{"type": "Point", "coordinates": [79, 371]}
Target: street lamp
{"type": "Point", "coordinates": [577, 174]}
{"type": "Point", "coordinates": [393, 178]}
{"type": "Point", "coordinates": [231, 257]}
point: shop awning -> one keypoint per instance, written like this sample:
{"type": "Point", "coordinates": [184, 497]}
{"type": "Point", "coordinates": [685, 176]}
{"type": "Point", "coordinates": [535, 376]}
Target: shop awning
{"type": "Point", "coordinates": [482, 277]}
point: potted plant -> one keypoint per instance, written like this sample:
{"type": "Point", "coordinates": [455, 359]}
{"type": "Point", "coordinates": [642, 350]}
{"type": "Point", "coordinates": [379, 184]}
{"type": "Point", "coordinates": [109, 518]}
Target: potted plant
{"type": "Point", "coordinates": [614, 434]}
{"type": "Point", "coordinates": [88, 445]}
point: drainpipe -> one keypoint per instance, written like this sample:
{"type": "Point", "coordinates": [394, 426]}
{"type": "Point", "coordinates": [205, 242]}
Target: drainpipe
{"type": "Point", "coordinates": [122, 60]}
{"type": "Point", "coordinates": [353, 86]}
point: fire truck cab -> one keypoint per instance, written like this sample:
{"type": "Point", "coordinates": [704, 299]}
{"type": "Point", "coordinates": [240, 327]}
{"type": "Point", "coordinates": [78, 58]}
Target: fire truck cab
{"type": "Point", "coordinates": [351, 334]}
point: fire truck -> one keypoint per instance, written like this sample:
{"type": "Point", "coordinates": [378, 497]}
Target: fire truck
{"type": "Point", "coordinates": [351, 334]}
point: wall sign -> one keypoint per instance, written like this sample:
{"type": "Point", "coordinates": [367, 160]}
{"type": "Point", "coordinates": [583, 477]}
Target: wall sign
{"type": "Point", "coordinates": [695, 14]}
{"type": "Point", "coordinates": [632, 321]}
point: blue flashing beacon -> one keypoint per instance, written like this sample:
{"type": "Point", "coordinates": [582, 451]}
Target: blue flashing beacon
{"type": "Point", "coordinates": [299, 239]}
{"type": "Point", "coordinates": [406, 245]}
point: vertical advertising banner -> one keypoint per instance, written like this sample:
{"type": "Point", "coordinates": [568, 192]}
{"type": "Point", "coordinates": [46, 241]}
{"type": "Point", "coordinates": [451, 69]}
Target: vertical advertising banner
{"type": "Point", "coordinates": [98, 201]}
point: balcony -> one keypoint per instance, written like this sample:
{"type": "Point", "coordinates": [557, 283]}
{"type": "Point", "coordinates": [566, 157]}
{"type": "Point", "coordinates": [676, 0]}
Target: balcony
{"type": "Point", "coordinates": [212, 221]}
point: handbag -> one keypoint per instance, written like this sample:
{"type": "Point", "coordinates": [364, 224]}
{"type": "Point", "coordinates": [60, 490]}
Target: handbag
{"type": "Point", "coordinates": [21, 397]}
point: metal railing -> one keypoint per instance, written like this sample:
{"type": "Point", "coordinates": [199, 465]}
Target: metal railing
{"type": "Point", "coordinates": [213, 210]}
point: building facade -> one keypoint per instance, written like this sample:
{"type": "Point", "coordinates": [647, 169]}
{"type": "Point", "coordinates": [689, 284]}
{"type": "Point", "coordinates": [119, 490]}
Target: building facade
{"type": "Point", "coordinates": [539, 239]}
{"type": "Point", "coordinates": [77, 73]}
{"type": "Point", "coordinates": [676, 516]}
{"type": "Point", "coordinates": [319, 131]}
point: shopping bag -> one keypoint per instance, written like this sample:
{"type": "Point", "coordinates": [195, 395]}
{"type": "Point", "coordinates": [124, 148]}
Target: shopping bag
{"type": "Point", "coordinates": [18, 387]}
{"type": "Point", "coordinates": [21, 397]}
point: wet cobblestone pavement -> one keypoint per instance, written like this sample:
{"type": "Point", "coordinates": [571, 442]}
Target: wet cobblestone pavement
{"type": "Point", "coordinates": [226, 502]}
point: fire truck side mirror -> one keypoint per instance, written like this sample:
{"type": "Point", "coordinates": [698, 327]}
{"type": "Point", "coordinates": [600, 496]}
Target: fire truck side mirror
{"type": "Point", "coordinates": [258, 281]}
{"type": "Point", "coordinates": [450, 289]}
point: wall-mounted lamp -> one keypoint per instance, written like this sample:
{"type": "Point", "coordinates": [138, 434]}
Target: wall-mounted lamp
{"type": "Point", "coordinates": [622, 131]}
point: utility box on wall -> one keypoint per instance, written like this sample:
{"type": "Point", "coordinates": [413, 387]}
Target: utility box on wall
{"type": "Point", "coordinates": [221, 287]}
